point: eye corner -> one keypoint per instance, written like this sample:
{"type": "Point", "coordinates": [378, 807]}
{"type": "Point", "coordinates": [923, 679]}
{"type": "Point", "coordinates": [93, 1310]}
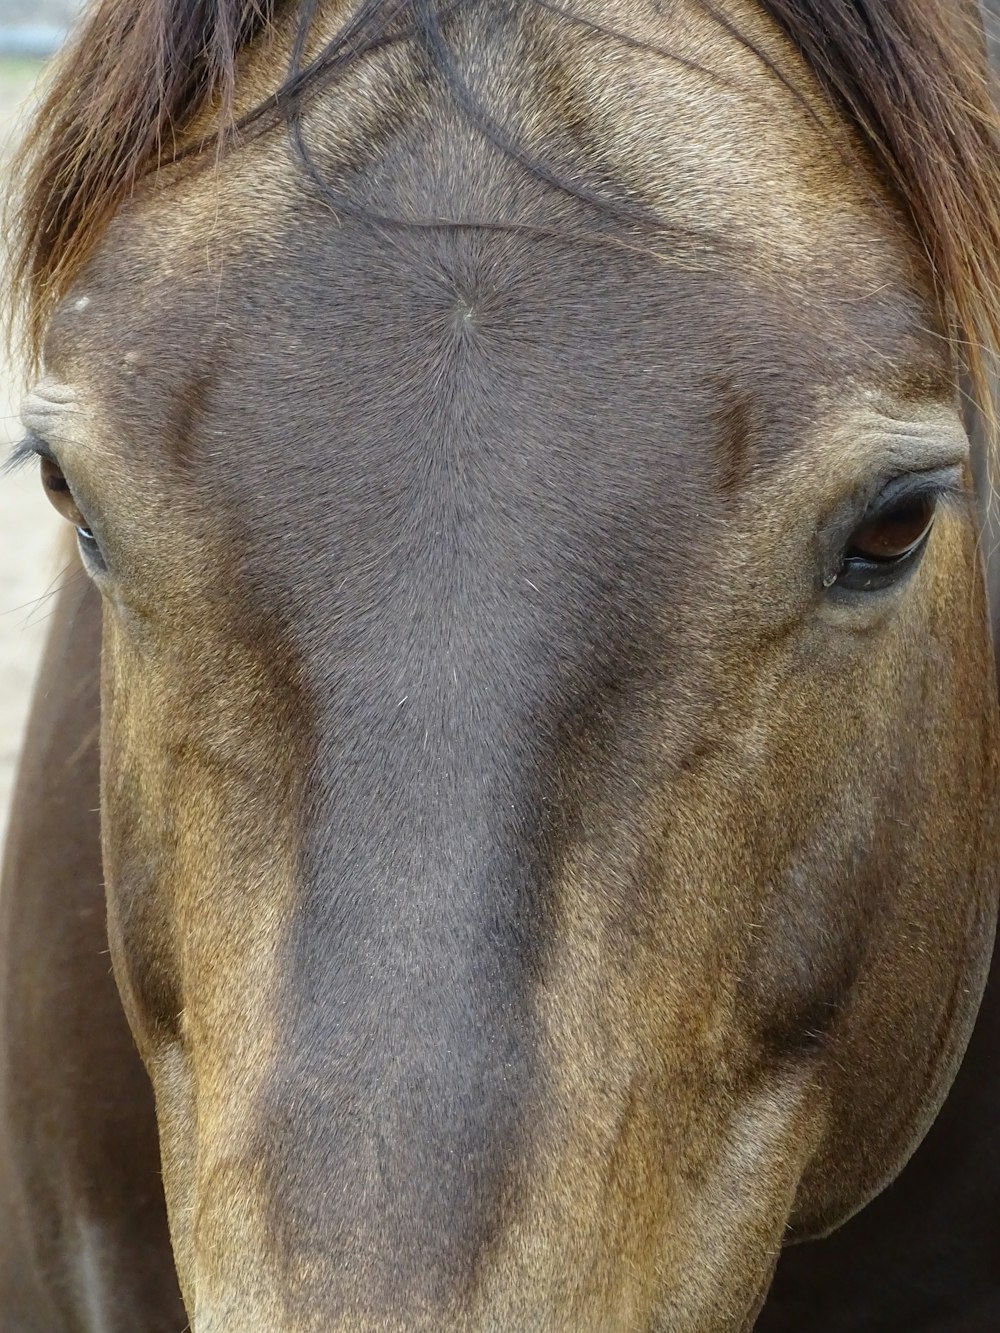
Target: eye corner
{"type": "Point", "coordinates": [90, 552]}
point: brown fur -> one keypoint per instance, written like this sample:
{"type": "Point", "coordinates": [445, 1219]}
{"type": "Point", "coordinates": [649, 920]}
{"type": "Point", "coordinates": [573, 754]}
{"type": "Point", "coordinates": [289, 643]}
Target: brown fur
{"type": "Point", "coordinates": [530, 890]}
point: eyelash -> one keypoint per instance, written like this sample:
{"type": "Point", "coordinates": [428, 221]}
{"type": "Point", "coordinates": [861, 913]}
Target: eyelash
{"type": "Point", "coordinates": [26, 451]}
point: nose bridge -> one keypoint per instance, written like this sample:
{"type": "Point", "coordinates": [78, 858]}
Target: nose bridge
{"type": "Point", "coordinates": [386, 1151]}
{"type": "Point", "coordinates": [391, 1122]}
{"type": "Point", "coordinates": [462, 1099]}
{"type": "Point", "coordinates": [549, 1260]}
{"type": "Point", "coordinates": [390, 1130]}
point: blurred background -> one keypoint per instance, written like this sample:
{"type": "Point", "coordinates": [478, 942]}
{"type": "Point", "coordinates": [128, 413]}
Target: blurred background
{"type": "Point", "coordinates": [34, 28]}
{"type": "Point", "coordinates": [30, 30]}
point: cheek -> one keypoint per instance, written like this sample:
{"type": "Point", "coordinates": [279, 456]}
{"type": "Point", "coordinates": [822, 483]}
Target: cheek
{"type": "Point", "coordinates": [202, 765]}
{"type": "Point", "coordinates": [201, 845]}
{"type": "Point", "coordinates": [838, 787]}
{"type": "Point", "coordinates": [879, 936]}
{"type": "Point", "coordinates": [137, 849]}
{"type": "Point", "coordinates": [176, 1118]}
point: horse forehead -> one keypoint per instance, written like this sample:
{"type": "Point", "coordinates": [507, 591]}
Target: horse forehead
{"type": "Point", "coordinates": [705, 112]}
{"type": "Point", "coordinates": [710, 111]}
{"type": "Point", "coordinates": [686, 115]}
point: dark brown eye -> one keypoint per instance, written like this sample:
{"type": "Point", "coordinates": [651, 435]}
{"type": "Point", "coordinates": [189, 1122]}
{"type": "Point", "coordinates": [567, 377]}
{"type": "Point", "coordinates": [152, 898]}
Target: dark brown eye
{"type": "Point", "coordinates": [889, 542]}
{"type": "Point", "coordinates": [895, 534]}
{"type": "Point", "coordinates": [59, 493]}
{"type": "Point", "coordinates": [52, 479]}
{"type": "Point", "coordinates": [61, 497]}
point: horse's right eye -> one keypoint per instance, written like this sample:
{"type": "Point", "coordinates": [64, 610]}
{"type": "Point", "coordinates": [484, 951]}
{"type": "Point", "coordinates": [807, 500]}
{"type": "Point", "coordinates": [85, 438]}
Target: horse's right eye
{"type": "Point", "coordinates": [59, 493]}
{"type": "Point", "coordinates": [52, 477]}
{"type": "Point", "coordinates": [58, 490]}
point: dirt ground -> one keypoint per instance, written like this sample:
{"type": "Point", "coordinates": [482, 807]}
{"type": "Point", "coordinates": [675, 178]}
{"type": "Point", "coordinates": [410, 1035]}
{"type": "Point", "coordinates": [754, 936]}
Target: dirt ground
{"type": "Point", "coordinates": [28, 567]}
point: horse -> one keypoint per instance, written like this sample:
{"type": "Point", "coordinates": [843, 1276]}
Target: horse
{"type": "Point", "coordinates": [528, 592]}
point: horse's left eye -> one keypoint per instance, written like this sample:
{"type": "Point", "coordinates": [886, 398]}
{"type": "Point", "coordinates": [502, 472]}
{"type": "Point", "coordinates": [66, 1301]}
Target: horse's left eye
{"type": "Point", "coordinates": [896, 533]}
{"type": "Point", "coordinates": [889, 541]}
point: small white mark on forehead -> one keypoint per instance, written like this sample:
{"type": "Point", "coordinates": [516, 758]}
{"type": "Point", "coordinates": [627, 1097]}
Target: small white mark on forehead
{"type": "Point", "coordinates": [465, 310]}
{"type": "Point", "coordinates": [81, 303]}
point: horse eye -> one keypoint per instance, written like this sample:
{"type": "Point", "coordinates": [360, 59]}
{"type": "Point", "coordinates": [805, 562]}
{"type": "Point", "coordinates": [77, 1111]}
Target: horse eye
{"type": "Point", "coordinates": [896, 533]}
{"type": "Point", "coordinates": [57, 489]}
{"type": "Point", "coordinates": [888, 543]}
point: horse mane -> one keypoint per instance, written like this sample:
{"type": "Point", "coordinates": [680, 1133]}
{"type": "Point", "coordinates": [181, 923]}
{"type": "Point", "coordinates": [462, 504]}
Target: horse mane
{"type": "Point", "coordinates": [910, 75]}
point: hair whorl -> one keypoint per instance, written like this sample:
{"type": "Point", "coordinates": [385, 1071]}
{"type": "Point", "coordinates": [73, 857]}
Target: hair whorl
{"type": "Point", "coordinates": [910, 75]}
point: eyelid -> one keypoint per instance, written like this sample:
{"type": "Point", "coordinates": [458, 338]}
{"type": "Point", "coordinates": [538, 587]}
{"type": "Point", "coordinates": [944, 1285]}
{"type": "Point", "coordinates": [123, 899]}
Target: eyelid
{"type": "Point", "coordinates": [946, 483]}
